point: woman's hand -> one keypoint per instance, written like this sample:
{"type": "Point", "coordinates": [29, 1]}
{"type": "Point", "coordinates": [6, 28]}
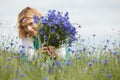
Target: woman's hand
{"type": "Point", "coordinates": [50, 51]}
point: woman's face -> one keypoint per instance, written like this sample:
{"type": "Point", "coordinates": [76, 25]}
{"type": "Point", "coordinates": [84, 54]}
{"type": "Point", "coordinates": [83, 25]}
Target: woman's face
{"type": "Point", "coordinates": [30, 27]}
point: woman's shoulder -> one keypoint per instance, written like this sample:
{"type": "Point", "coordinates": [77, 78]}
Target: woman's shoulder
{"type": "Point", "coordinates": [27, 41]}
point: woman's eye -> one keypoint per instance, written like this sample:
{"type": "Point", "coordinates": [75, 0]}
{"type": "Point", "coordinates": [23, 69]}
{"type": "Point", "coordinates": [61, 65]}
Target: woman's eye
{"type": "Point", "coordinates": [31, 24]}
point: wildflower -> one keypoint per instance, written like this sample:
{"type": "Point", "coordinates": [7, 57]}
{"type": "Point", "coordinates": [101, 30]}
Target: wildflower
{"type": "Point", "coordinates": [11, 44]}
{"type": "Point", "coordinates": [21, 75]}
{"type": "Point", "coordinates": [115, 53]}
{"type": "Point", "coordinates": [94, 35]}
{"type": "Point", "coordinates": [105, 61]}
{"type": "Point", "coordinates": [107, 41]}
{"type": "Point", "coordinates": [89, 52]}
{"type": "Point", "coordinates": [57, 64]}
{"type": "Point", "coordinates": [57, 28]}
{"type": "Point", "coordinates": [36, 19]}
{"type": "Point", "coordinates": [68, 63]}
{"type": "Point", "coordinates": [45, 37]}
{"type": "Point", "coordinates": [42, 31]}
{"type": "Point", "coordinates": [7, 47]}
{"type": "Point", "coordinates": [7, 67]}
{"type": "Point", "coordinates": [90, 64]}
{"type": "Point", "coordinates": [50, 70]}
{"type": "Point", "coordinates": [79, 26]}
{"type": "Point", "coordinates": [9, 58]}
{"type": "Point", "coordinates": [94, 61]}
{"type": "Point", "coordinates": [45, 78]}
{"type": "Point", "coordinates": [21, 46]}
{"type": "Point", "coordinates": [84, 49]}
{"type": "Point", "coordinates": [52, 30]}
{"type": "Point", "coordinates": [108, 76]}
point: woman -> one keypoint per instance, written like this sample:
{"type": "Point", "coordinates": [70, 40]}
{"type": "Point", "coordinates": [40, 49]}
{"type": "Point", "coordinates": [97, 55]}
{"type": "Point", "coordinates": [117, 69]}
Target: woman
{"type": "Point", "coordinates": [28, 34]}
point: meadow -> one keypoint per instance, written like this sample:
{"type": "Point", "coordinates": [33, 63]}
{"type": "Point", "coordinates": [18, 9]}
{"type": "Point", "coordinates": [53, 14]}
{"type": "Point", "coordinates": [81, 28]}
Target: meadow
{"type": "Point", "coordinates": [86, 63]}
{"type": "Point", "coordinates": [83, 65]}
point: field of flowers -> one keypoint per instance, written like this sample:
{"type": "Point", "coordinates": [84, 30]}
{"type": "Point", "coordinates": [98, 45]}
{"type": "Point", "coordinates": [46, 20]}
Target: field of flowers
{"type": "Point", "coordinates": [88, 63]}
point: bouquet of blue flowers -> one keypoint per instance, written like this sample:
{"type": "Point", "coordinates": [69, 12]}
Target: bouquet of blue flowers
{"type": "Point", "coordinates": [55, 29]}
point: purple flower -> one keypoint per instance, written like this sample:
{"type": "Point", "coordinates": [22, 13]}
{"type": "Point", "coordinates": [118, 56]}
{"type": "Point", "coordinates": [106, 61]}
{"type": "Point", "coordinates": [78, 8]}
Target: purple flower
{"type": "Point", "coordinates": [45, 78]}
{"type": "Point", "coordinates": [90, 64]}
{"type": "Point", "coordinates": [115, 53]}
{"type": "Point", "coordinates": [21, 46]}
{"type": "Point", "coordinates": [45, 37]}
{"type": "Point", "coordinates": [11, 43]}
{"type": "Point", "coordinates": [105, 61]}
{"type": "Point", "coordinates": [50, 71]}
{"type": "Point", "coordinates": [108, 76]}
{"type": "Point", "coordinates": [52, 30]}
{"type": "Point", "coordinates": [42, 31]}
{"type": "Point", "coordinates": [7, 67]}
{"type": "Point", "coordinates": [36, 19]}
{"type": "Point", "coordinates": [21, 75]}
{"type": "Point", "coordinates": [57, 64]}
{"type": "Point", "coordinates": [56, 23]}
{"type": "Point", "coordinates": [94, 35]}
{"type": "Point", "coordinates": [68, 63]}
{"type": "Point", "coordinates": [9, 58]}
{"type": "Point", "coordinates": [7, 47]}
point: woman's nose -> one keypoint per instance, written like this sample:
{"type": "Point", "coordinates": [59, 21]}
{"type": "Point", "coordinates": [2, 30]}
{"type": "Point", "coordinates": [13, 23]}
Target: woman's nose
{"type": "Point", "coordinates": [29, 27]}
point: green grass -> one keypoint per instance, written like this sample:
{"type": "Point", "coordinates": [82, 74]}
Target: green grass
{"type": "Point", "coordinates": [107, 67]}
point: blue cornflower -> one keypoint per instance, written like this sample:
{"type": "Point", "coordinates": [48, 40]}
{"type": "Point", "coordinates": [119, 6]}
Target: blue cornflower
{"type": "Point", "coordinates": [53, 41]}
{"type": "Point", "coordinates": [7, 67]}
{"type": "Point", "coordinates": [36, 19]}
{"type": "Point", "coordinates": [94, 61]}
{"type": "Point", "coordinates": [115, 53]}
{"type": "Point", "coordinates": [50, 71]}
{"type": "Point", "coordinates": [52, 30]}
{"type": "Point", "coordinates": [21, 46]}
{"type": "Point", "coordinates": [45, 37]}
{"type": "Point", "coordinates": [42, 31]}
{"type": "Point", "coordinates": [66, 15]}
{"type": "Point", "coordinates": [9, 58]}
{"type": "Point", "coordinates": [107, 41]}
{"type": "Point", "coordinates": [108, 76]}
{"type": "Point", "coordinates": [7, 47]}
{"type": "Point", "coordinates": [22, 52]}
{"type": "Point", "coordinates": [43, 20]}
{"type": "Point", "coordinates": [94, 35]}
{"type": "Point", "coordinates": [105, 61]}
{"type": "Point", "coordinates": [11, 44]}
{"type": "Point", "coordinates": [69, 63]}
{"type": "Point", "coordinates": [57, 64]}
{"type": "Point", "coordinates": [21, 75]}
{"type": "Point", "coordinates": [90, 64]}
{"type": "Point", "coordinates": [45, 78]}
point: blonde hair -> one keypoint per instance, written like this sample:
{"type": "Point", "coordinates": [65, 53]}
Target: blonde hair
{"type": "Point", "coordinates": [27, 13]}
